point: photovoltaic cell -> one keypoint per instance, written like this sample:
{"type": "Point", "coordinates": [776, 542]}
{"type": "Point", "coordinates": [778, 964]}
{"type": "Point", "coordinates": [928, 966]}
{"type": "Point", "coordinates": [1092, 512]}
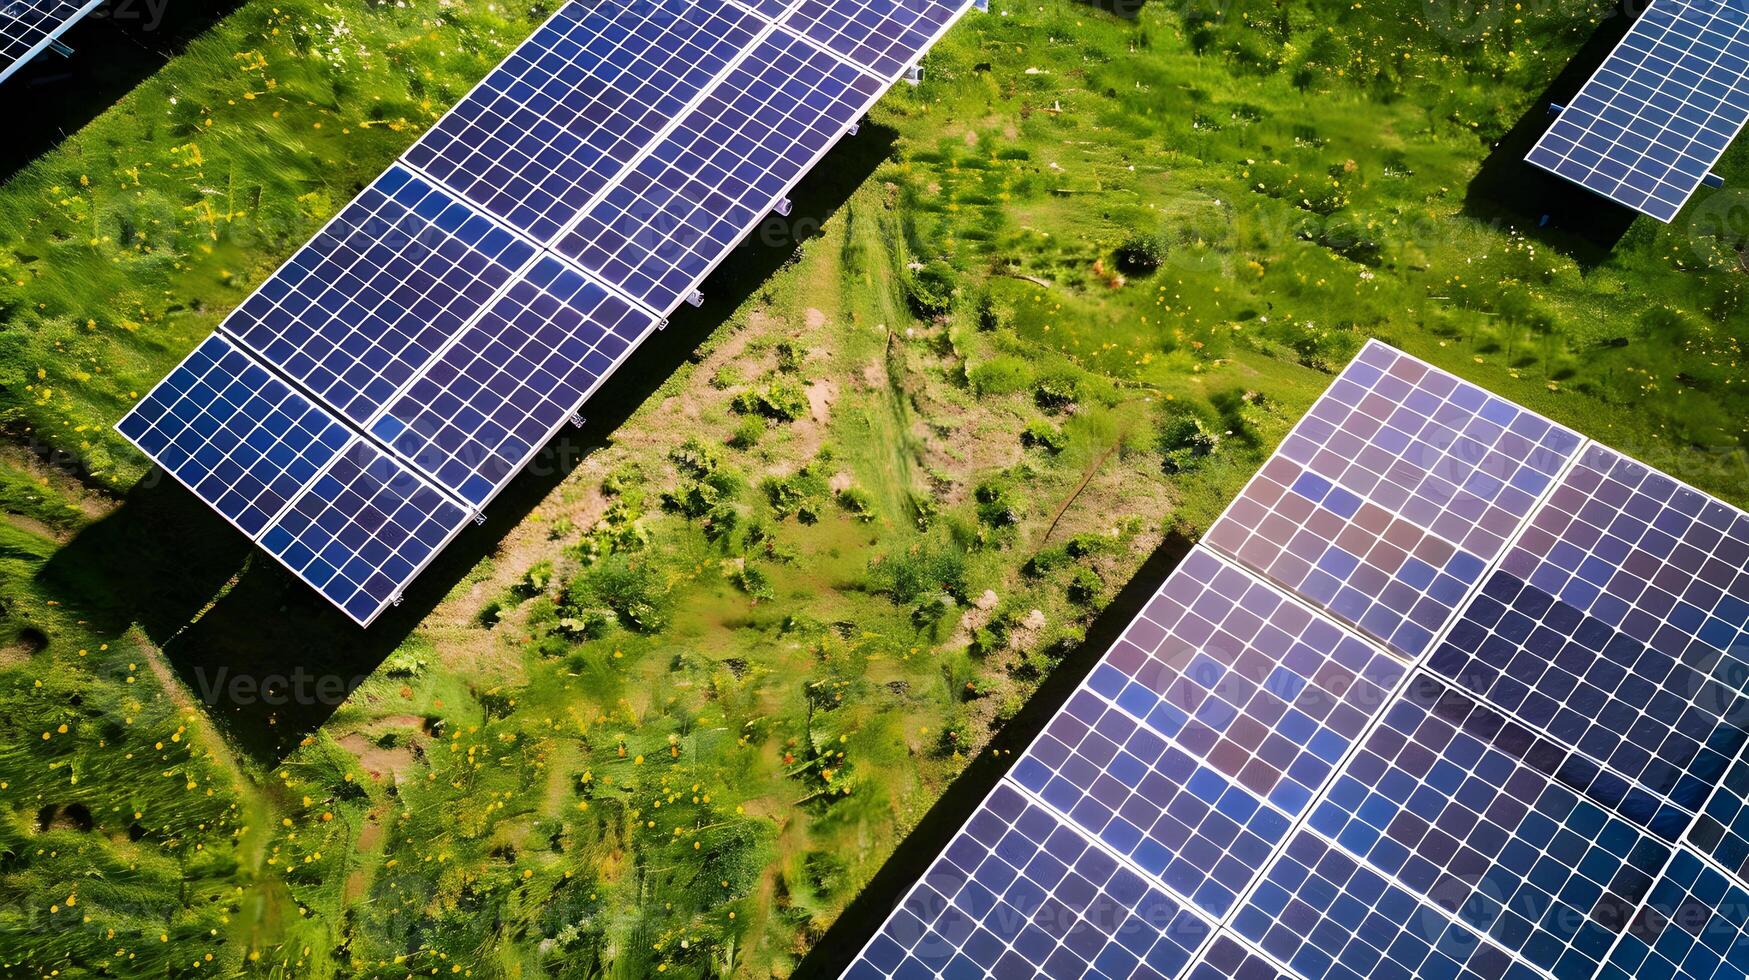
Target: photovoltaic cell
{"type": "Point", "coordinates": [1473, 812]}
{"type": "Point", "coordinates": [1658, 561]}
{"type": "Point", "coordinates": [362, 308]}
{"type": "Point", "coordinates": [1227, 958]}
{"type": "Point", "coordinates": [680, 210]}
{"type": "Point", "coordinates": [28, 26]}
{"type": "Point", "coordinates": [1390, 497]}
{"type": "Point", "coordinates": [1673, 724]}
{"type": "Point", "coordinates": [1262, 690]}
{"type": "Point", "coordinates": [886, 38]}
{"type": "Point", "coordinates": [363, 530]}
{"type": "Point", "coordinates": [1328, 915]}
{"type": "Point", "coordinates": [1202, 835]}
{"type": "Point", "coordinates": [1649, 126]}
{"type": "Point", "coordinates": [476, 414]}
{"type": "Point", "coordinates": [1019, 894]}
{"type": "Point", "coordinates": [1695, 926]}
{"type": "Point", "coordinates": [240, 438]}
{"type": "Point", "coordinates": [572, 105]}
{"type": "Point", "coordinates": [1722, 829]}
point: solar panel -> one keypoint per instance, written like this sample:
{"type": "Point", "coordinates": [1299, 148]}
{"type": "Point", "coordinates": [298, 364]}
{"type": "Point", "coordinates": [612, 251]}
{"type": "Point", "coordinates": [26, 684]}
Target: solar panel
{"type": "Point", "coordinates": [1334, 807]}
{"type": "Point", "coordinates": [1722, 830]}
{"type": "Point", "coordinates": [362, 531]}
{"type": "Point", "coordinates": [676, 215]}
{"type": "Point", "coordinates": [237, 436]}
{"type": "Point", "coordinates": [1391, 496]}
{"type": "Point", "coordinates": [1479, 816]}
{"type": "Point", "coordinates": [1653, 559]}
{"type": "Point", "coordinates": [1328, 915]}
{"type": "Point", "coordinates": [1654, 119]}
{"type": "Point", "coordinates": [1227, 958]}
{"type": "Point", "coordinates": [1671, 723]}
{"type": "Point", "coordinates": [1018, 894]}
{"type": "Point", "coordinates": [572, 105]}
{"type": "Point", "coordinates": [486, 404]}
{"type": "Point", "coordinates": [884, 37]}
{"type": "Point", "coordinates": [29, 26]}
{"type": "Point", "coordinates": [1695, 926]}
{"type": "Point", "coordinates": [357, 312]}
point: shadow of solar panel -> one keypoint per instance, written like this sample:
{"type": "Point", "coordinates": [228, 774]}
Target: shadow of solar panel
{"type": "Point", "coordinates": [1658, 561]}
{"type": "Point", "coordinates": [489, 402]}
{"type": "Point", "coordinates": [357, 312]}
{"type": "Point", "coordinates": [29, 26]}
{"type": "Point", "coordinates": [884, 37]}
{"type": "Point", "coordinates": [1694, 926]}
{"type": "Point", "coordinates": [575, 103]}
{"type": "Point", "coordinates": [240, 438]}
{"type": "Point", "coordinates": [1019, 894]}
{"type": "Point", "coordinates": [1480, 817]}
{"type": "Point", "coordinates": [1264, 691]}
{"type": "Point", "coordinates": [677, 214]}
{"type": "Point", "coordinates": [1328, 915]}
{"type": "Point", "coordinates": [1654, 119]}
{"type": "Point", "coordinates": [363, 530]}
{"type": "Point", "coordinates": [1225, 957]}
{"type": "Point", "coordinates": [1671, 723]}
{"type": "Point", "coordinates": [1390, 497]}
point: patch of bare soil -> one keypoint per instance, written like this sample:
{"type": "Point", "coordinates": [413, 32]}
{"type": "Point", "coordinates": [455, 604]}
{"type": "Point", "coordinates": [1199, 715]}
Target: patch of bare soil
{"type": "Point", "coordinates": [379, 762]}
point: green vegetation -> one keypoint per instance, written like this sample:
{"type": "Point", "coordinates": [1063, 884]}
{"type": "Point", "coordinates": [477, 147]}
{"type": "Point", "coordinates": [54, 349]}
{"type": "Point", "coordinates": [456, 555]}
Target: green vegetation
{"type": "Point", "coordinates": [688, 706]}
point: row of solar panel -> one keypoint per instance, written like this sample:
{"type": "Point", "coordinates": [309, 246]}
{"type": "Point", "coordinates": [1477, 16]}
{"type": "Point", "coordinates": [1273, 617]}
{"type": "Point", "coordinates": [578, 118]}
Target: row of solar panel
{"type": "Point", "coordinates": [27, 27]}
{"type": "Point", "coordinates": [1533, 794]}
{"type": "Point", "coordinates": [432, 325]}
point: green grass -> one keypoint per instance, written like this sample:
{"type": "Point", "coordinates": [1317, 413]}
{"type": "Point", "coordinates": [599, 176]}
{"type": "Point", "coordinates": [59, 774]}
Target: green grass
{"type": "Point", "coordinates": [688, 707]}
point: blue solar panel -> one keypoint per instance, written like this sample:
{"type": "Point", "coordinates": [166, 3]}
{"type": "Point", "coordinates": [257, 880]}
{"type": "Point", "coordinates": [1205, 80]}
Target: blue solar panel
{"type": "Point", "coordinates": [571, 106]}
{"type": "Point", "coordinates": [1019, 894]}
{"type": "Point", "coordinates": [676, 215]}
{"type": "Point", "coordinates": [1672, 723]}
{"type": "Point", "coordinates": [365, 305]}
{"type": "Point", "coordinates": [363, 530]}
{"type": "Point", "coordinates": [1694, 926]}
{"type": "Point", "coordinates": [29, 26]}
{"type": "Point", "coordinates": [1225, 957]}
{"type": "Point", "coordinates": [1648, 127]}
{"type": "Point", "coordinates": [240, 438]}
{"type": "Point", "coordinates": [476, 415]}
{"type": "Point", "coordinates": [1476, 815]}
{"type": "Point", "coordinates": [1328, 915]}
{"type": "Point", "coordinates": [884, 37]}
{"type": "Point", "coordinates": [1722, 830]}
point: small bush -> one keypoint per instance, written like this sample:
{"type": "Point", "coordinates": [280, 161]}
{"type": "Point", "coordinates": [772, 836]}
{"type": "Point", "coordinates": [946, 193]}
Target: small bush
{"type": "Point", "coordinates": [1057, 394]}
{"type": "Point", "coordinates": [1085, 587]}
{"type": "Point", "coordinates": [1002, 375]}
{"type": "Point", "coordinates": [748, 433]}
{"type": "Point", "coordinates": [930, 290]}
{"type": "Point", "coordinates": [1185, 440]}
{"type": "Point", "coordinates": [781, 399]}
{"type": "Point", "coordinates": [908, 576]}
{"type": "Point", "coordinates": [1043, 435]}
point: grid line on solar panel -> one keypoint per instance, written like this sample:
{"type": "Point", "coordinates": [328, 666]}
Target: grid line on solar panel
{"type": "Point", "coordinates": [1672, 724]}
{"type": "Point", "coordinates": [1721, 831]}
{"type": "Point", "coordinates": [241, 439]}
{"type": "Point", "coordinates": [364, 529]}
{"type": "Point", "coordinates": [1500, 828]}
{"type": "Point", "coordinates": [884, 37]}
{"type": "Point", "coordinates": [675, 214]}
{"type": "Point", "coordinates": [358, 311]}
{"type": "Point", "coordinates": [1226, 956]}
{"type": "Point", "coordinates": [1693, 926]}
{"type": "Point", "coordinates": [771, 10]}
{"type": "Point", "coordinates": [1328, 915]}
{"type": "Point", "coordinates": [1652, 121]}
{"type": "Point", "coordinates": [1020, 893]}
{"type": "Point", "coordinates": [1649, 556]}
{"type": "Point", "coordinates": [590, 91]}
{"type": "Point", "coordinates": [1265, 691]}
{"type": "Point", "coordinates": [1388, 500]}
{"type": "Point", "coordinates": [489, 401]}
{"type": "Point", "coordinates": [27, 27]}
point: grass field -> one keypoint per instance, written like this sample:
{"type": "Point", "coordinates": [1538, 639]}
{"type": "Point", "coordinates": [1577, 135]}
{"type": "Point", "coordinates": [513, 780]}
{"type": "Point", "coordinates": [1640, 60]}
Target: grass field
{"type": "Point", "coordinates": [675, 704]}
